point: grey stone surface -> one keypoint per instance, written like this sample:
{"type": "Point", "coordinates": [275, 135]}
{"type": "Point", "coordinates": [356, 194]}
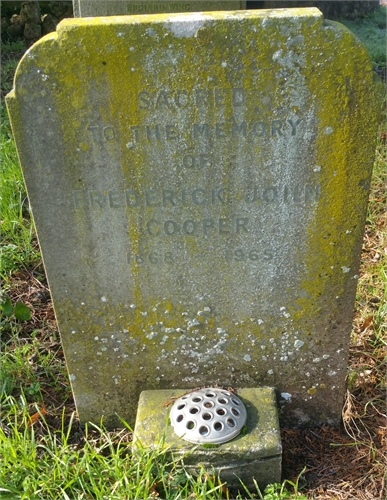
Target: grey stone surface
{"type": "Point", "coordinates": [255, 454]}
{"type": "Point", "coordinates": [199, 186]}
{"type": "Point", "coordinates": [91, 8]}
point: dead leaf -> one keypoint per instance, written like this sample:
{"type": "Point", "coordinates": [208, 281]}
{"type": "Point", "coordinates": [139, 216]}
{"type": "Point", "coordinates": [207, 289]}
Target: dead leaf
{"type": "Point", "coordinates": [366, 324]}
{"type": "Point", "coordinates": [153, 490]}
{"type": "Point", "coordinates": [36, 416]}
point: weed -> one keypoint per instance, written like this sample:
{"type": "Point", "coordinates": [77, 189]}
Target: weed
{"type": "Point", "coordinates": [19, 312]}
{"type": "Point", "coordinates": [278, 491]}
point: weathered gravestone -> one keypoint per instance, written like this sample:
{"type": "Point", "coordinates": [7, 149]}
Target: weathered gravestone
{"type": "Point", "coordinates": [91, 8]}
{"type": "Point", "coordinates": [199, 185]}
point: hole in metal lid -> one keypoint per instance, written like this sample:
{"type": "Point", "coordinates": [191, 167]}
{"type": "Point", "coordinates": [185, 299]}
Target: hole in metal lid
{"type": "Point", "coordinates": [196, 399]}
{"type": "Point", "coordinates": [194, 410]}
{"type": "Point", "coordinates": [231, 422]}
{"type": "Point", "coordinates": [204, 430]}
{"type": "Point", "coordinates": [207, 416]}
{"type": "Point", "coordinates": [179, 418]}
{"type": "Point", "coordinates": [235, 411]}
{"type": "Point", "coordinates": [191, 425]}
{"type": "Point", "coordinates": [180, 407]}
{"type": "Point", "coordinates": [210, 395]}
{"type": "Point", "coordinates": [221, 411]}
{"type": "Point", "coordinates": [222, 401]}
{"type": "Point", "coordinates": [209, 404]}
{"type": "Point", "coordinates": [218, 426]}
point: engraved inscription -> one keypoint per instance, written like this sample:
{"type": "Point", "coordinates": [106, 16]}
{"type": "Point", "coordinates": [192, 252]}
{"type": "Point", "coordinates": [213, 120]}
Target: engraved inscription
{"type": "Point", "coordinates": [188, 119]}
{"type": "Point", "coordinates": [209, 98]}
{"type": "Point", "coordinates": [198, 227]}
{"type": "Point", "coordinates": [241, 255]}
{"type": "Point", "coordinates": [153, 257]}
{"type": "Point", "coordinates": [219, 130]}
{"type": "Point", "coordinates": [296, 194]}
{"type": "Point", "coordinates": [198, 196]}
{"type": "Point", "coordinates": [264, 125]}
{"type": "Point", "coordinates": [102, 133]}
{"type": "Point", "coordinates": [156, 257]}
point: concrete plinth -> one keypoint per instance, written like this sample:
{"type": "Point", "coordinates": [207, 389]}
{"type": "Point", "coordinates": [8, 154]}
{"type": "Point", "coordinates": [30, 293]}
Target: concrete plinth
{"type": "Point", "coordinates": [254, 454]}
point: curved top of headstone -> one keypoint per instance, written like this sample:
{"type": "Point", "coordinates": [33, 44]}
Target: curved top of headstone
{"type": "Point", "coordinates": [188, 24]}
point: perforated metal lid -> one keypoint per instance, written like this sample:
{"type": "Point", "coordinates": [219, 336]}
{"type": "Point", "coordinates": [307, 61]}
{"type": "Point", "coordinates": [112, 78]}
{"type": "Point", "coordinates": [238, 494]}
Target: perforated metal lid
{"type": "Point", "coordinates": [208, 416]}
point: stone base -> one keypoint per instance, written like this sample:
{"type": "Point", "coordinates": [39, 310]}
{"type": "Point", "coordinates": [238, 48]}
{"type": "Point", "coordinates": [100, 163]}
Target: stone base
{"type": "Point", "coordinates": [253, 455]}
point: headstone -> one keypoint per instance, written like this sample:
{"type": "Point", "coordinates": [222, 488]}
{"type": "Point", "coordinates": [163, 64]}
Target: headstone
{"type": "Point", "coordinates": [199, 186]}
{"type": "Point", "coordinates": [92, 8]}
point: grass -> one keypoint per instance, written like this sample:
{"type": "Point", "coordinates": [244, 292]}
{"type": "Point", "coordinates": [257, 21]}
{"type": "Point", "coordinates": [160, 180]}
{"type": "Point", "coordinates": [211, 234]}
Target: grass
{"type": "Point", "coordinates": [371, 30]}
{"type": "Point", "coordinates": [52, 466]}
{"type": "Point", "coordinates": [19, 246]}
{"type": "Point", "coordinates": [45, 453]}
{"type": "Point", "coordinates": [93, 463]}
